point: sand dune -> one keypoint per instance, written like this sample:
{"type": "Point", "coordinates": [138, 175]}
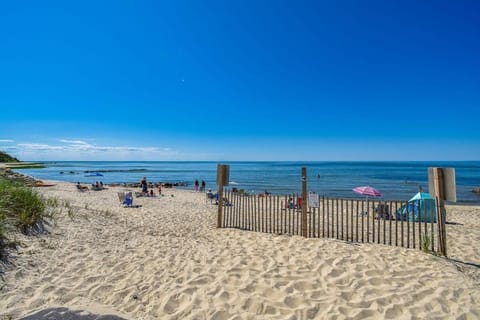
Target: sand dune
{"type": "Point", "coordinates": [166, 260]}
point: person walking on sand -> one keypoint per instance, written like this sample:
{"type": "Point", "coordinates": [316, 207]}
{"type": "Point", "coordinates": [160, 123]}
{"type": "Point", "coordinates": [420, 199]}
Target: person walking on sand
{"type": "Point", "coordinates": [159, 188]}
{"type": "Point", "coordinates": [196, 185]}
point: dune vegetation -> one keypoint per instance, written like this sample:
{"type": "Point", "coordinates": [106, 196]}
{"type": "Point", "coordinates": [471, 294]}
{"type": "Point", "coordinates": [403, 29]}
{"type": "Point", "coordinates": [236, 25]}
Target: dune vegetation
{"type": "Point", "coordinates": [5, 157]}
{"type": "Point", "coordinates": [21, 209]}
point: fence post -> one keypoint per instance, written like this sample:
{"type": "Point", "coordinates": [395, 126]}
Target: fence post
{"type": "Point", "coordinates": [438, 186]}
{"type": "Point", "coordinates": [304, 202]}
{"type": "Point", "coordinates": [223, 172]}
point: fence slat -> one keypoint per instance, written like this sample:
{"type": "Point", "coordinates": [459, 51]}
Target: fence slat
{"type": "Point", "coordinates": [408, 228]}
{"type": "Point", "coordinates": [323, 217]}
{"type": "Point", "coordinates": [278, 218]}
{"type": "Point", "coordinates": [432, 231]}
{"type": "Point", "coordinates": [389, 212]}
{"type": "Point", "coordinates": [414, 224]}
{"type": "Point", "coordinates": [378, 220]}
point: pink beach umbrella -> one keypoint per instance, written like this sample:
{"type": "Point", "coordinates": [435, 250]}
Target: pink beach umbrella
{"type": "Point", "coordinates": [367, 191]}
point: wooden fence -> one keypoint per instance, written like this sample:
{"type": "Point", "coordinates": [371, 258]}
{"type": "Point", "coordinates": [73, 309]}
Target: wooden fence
{"type": "Point", "coordinates": [405, 224]}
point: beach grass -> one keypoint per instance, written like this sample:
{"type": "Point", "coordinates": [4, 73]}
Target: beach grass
{"type": "Point", "coordinates": [20, 206]}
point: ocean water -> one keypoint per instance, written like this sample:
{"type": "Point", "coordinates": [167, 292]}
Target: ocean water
{"type": "Point", "coordinates": [396, 180]}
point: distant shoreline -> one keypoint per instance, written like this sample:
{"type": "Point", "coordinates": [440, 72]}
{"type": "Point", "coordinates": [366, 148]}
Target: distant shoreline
{"type": "Point", "coordinates": [330, 179]}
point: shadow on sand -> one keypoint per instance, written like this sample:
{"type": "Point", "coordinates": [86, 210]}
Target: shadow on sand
{"type": "Point", "coordinates": [67, 314]}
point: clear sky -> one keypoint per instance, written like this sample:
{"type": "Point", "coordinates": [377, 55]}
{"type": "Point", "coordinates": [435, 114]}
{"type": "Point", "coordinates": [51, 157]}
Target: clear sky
{"type": "Point", "coordinates": [240, 80]}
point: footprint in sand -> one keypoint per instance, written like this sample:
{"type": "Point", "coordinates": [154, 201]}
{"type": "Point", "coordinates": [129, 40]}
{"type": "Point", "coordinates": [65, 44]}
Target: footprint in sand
{"type": "Point", "coordinates": [302, 286]}
{"type": "Point", "coordinates": [293, 301]}
{"type": "Point", "coordinates": [201, 280]}
{"type": "Point", "coordinates": [171, 305]}
{"type": "Point", "coordinates": [221, 315]}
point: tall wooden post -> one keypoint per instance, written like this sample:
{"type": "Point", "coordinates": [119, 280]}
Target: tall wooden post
{"type": "Point", "coordinates": [440, 196]}
{"type": "Point", "coordinates": [223, 173]}
{"type": "Point", "coordinates": [304, 202]}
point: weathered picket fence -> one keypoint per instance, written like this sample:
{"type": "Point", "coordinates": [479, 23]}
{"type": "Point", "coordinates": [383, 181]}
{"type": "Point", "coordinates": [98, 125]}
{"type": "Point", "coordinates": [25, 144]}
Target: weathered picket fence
{"type": "Point", "coordinates": [410, 224]}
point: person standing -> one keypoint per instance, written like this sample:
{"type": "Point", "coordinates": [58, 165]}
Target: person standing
{"type": "Point", "coordinates": [196, 185]}
{"type": "Point", "coordinates": [144, 185]}
{"type": "Point", "coordinates": [202, 188]}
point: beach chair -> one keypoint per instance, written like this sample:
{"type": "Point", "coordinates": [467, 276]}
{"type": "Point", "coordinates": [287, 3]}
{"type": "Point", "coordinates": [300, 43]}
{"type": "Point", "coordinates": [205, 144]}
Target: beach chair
{"type": "Point", "coordinates": [209, 196]}
{"type": "Point", "coordinates": [121, 196]}
{"type": "Point", "coordinates": [125, 198]}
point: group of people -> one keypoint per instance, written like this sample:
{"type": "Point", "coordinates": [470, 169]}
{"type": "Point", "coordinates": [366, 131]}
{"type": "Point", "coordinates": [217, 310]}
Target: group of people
{"type": "Point", "coordinates": [98, 185]}
{"type": "Point", "coordinates": [95, 186]}
{"type": "Point", "coordinates": [202, 186]}
{"type": "Point", "coordinates": [291, 204]}
{"type": "Point", "coordinates": [199, 187]}
{"type": "Point", "coordinates": [145, 192]}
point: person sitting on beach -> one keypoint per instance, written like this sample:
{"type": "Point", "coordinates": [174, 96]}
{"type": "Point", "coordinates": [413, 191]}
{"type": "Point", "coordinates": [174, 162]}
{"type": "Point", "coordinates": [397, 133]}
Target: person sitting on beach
{"type": "Point", "coordinates": [210, 194]}
{"type": "Point", "coordinates": [151, 193]}
{"type": "Point", "coordinates": [80, 187]}
{"type": "Point", "coordinates": [299, 202]}
{"type": "Point", "coordinates": [291, 203]}
{"type": "Point", "coordinates": [97, 186]}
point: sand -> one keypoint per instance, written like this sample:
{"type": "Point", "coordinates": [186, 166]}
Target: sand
{"type": "Point", "coordinates": [166, 260]}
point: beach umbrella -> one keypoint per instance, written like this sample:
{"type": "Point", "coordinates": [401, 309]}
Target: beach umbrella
{"type": "Point", "coordinates": [234, 185]}
{"type": "Point", "coordinates": [94, 174]}
{"type": "Point", "coordinates": [367, 191]}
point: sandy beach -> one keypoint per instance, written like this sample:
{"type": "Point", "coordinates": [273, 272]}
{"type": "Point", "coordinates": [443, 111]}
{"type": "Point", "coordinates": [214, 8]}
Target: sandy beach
{"type": "Point", "coordinates": [166, 260]}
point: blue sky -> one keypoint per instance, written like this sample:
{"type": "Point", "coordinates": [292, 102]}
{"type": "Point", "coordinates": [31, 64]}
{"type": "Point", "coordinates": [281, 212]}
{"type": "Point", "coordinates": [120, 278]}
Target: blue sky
{"type": "Point", "coordinates": [240, 80]}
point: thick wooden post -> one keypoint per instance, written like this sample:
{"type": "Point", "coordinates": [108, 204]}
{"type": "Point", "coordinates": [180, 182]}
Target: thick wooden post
{"type": "Point", "coordinates": [223, 172]}
{"type": "Point", "coordinates": [304, 202]}
{"type": "Point", "coordinates": [439, 193]}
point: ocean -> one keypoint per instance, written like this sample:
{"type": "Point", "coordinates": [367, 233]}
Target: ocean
{"type": "Point", "coordinates": [396, 180]}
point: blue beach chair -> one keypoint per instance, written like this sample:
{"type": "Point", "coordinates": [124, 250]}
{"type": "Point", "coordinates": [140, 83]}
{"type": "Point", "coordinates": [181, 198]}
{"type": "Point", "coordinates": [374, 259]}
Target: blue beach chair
{"type": "Point", "coordinates": [126, 198]}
